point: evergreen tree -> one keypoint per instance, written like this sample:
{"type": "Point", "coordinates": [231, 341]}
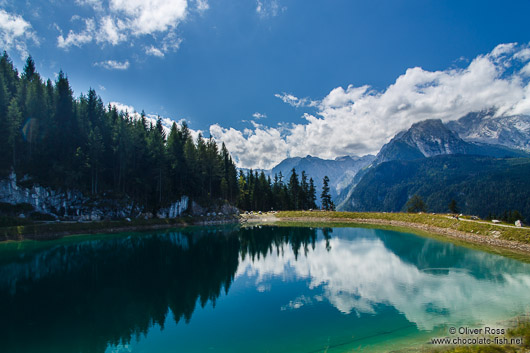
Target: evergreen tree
{"type": "Point", "coordinates": [29, 69]}
{"type": "Point", "coordinates": [4, 129]}
{"type": "Point", "coordinates": [95, 149]}
{"type": "Point", "coordinates": [415, 204]}
{"type": "Point", "coordinates": [325, 196]}
{"type": "Point", "coordinates": [312, 194]}
{"type": "Point", "coordinates": [80, 144]}
{"type": "Point", "coordinates": [66, 133]}
{"type": "Point", "coordinates": [453, 207]}
{"type": "Point", "coordinates": [156, 146]}
{"type": "Point", "coordinates": [294, 191]}
{"type": "Point", "coordinates": [14, 119]}
{"type": "Point", "coordinates": [304, 192]}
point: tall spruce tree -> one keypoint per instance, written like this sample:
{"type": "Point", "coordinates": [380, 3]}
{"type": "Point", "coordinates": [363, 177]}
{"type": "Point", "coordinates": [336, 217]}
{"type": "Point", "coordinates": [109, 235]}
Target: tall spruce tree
{"type": "Point", "coordinates": [294, 190]}
{"type": "Point", "coordinates": [325, 196]}
{"type": "Point", "coordinates": [312, 194]}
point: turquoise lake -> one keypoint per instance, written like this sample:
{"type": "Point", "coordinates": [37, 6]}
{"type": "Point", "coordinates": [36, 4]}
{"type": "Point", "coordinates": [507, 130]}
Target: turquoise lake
{"type": "Point", "coordinates": [255, 289]}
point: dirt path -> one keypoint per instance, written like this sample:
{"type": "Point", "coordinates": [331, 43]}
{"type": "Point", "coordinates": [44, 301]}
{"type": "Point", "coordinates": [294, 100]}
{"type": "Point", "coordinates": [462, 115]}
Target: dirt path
{"type": "Point", "coordinates": [488, 223]}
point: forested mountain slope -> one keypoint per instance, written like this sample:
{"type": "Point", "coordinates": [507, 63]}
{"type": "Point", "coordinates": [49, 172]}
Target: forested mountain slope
{"type": "Point", "coordinates": [480, 185]}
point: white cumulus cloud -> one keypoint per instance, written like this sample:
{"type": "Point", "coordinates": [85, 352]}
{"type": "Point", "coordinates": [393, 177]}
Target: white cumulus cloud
{"type": "Point", "coordinates": [360, 120]}
{"type": "Point", "coordinates": [148, 17]}
{"type": "Point", "coordinates": [154, 51]}
{"type": "Point", "coordinates": [269, 8]}
{"type": "Point", "coordinates": [202, 5]}
{"type": "Point", "coordinates": [80, 38]}
{"type": "Point", "coordinates": [113, 64]}
{"type": "Point", "coordinates": [295, 101]}
{"type": "Point", "coordinates": [118, 21]}
{"type": "Point", "coordinates": [110, 31]}
{"type": "Point", "coordinates": [15, 32]}
{"type": "Point", "coordinates": [258, 116]}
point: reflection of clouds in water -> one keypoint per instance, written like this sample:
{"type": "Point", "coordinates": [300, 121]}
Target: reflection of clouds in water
{"type": "Point", "coordinates": [263, 287]}
{"type": "Point", "coordinates": [297, 303]}
{"type": "Point", "coordinates": [357, 275]}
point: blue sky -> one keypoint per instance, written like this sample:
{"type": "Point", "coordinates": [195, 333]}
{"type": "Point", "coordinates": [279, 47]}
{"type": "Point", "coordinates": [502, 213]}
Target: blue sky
{"type": "Point", "coordinates": [258, 74]}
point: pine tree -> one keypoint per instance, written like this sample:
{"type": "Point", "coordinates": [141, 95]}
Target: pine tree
{"type": "Point", "coordinates": [29, 69]}
{"type": "Point", "coordinates": [304, 192]}
{"type": "Point", "coordinates": [14, 120]}
{"type": "Point", "coordinates": [66, 133]}
{"type": "Point", "coordinates": [415, 204]}
{"type": "Point", "coordinates": [95, 149]}
{"type": "Point", "coordinates": [312, 194]}
{"type": "Point", "coordinates": [63, 142]}
{"type": "Point", "coordinates": [4, 129]}
{"type": "Point", "coordinates": [294, 190]}
{"type": "Point", "coordinates": [453, 207]}
{"type": "Point", "coordinates": [156, 146]}
{"type": "Point", "coordinates": [325, 196]}
{"type": "Point", "coordinates": [175, 156]}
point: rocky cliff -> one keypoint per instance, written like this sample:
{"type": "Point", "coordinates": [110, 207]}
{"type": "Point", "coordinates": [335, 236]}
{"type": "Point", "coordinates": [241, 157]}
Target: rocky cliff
{"type": "Point", "coordinates": [73, 205]}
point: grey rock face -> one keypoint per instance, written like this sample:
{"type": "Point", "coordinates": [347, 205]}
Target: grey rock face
{"type": "Point", "coordinates": [424, 139]}
{"type": "Point", "coordinates": [175, 209]}
{"type": "Point", "coordinates": [73, 205]}
{"type": "Point", "coordinates": [510, 131]}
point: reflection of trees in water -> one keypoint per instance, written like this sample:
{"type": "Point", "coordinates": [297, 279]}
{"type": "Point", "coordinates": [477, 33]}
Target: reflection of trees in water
{"type": "Point", "coordinates": [118, 291]}
{"type": "Point", "coordinates": [80, 297]}
{"type": "Point", "coordinates": [258, 243]}
{"type": "Point", "coordinates": [425, 253]}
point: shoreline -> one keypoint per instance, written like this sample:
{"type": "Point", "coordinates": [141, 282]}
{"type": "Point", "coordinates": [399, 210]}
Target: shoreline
{"type": "Point", "coordinates": [448, 232]}
{"type": "Point", "coordinates": [51, 231]}
{"type": "Point", "coordinates": [451, 233]}
{"type": "Point", "coordinates": [492, 243]}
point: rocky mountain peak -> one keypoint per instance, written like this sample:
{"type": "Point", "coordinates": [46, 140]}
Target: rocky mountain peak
{"type": "Point", "coordinates": [512, 131]}
{"type": "Point", "coordinates": [424, 139]}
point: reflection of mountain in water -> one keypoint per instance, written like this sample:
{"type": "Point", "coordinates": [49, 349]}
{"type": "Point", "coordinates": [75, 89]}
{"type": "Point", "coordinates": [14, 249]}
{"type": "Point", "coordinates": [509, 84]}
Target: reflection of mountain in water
{"type": "Point", "coordinates": [80, 296]}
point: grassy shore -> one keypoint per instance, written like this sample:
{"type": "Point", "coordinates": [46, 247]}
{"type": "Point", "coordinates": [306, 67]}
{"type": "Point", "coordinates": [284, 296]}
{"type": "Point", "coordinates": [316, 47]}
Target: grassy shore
{"type": "Point", "coordinates": [521, 235]}
{"type": "Point", "coordinates": [54, 230]}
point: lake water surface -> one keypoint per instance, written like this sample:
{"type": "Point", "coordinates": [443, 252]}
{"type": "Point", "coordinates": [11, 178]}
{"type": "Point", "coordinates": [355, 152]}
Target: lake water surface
{"type": "Point", "coordinates": [261, 289]}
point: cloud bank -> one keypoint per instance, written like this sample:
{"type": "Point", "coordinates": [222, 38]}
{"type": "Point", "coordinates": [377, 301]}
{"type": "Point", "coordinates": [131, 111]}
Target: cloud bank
{"type": "Point", "coordinates": [360, 120]}
{"type": "Point", "coordinates": [123, 21]}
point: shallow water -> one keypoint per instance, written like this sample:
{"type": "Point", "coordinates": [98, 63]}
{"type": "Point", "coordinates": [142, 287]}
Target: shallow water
{"type": "Point", "coordinates": [261, 289]}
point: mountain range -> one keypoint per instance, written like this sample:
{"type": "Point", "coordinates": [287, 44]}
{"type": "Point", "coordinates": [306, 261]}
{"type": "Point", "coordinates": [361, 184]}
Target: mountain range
{"type": "Point", "coordinates": [479, 139]}
{"type": "Point", "coordinates": [340, 171]}
{"type": "Point", "coordinates": [430, 138]}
